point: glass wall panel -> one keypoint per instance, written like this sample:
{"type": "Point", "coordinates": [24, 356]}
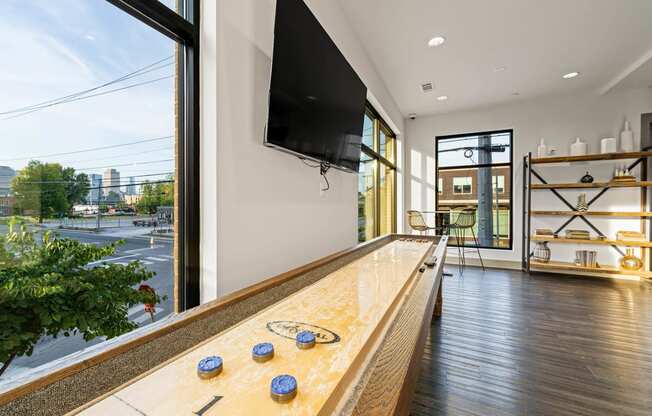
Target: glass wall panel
{"type": "Point", "coordinates": [490, 148]}
{"type": "Point", "coordinates": [376, 183]}
{"type": "Point", "coordinates": [366, 199]}
{"type": "Point", "coordinates": [382, 142]}
{"type": "Point", "coordinates": [368, 132]}
{"type": "Point", "coordinates": [87, 184]}
{"type": "Point", "coordinates": [387, 196]}
{"type": "Point", "coordinates": [471, 173]}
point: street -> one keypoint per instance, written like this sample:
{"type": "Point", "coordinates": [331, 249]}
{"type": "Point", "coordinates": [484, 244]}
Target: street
{"type": "Point", "coordinates": [157, 258]}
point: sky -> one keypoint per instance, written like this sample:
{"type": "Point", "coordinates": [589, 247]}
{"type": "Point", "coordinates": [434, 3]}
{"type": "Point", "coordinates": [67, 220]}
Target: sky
{"type": "Point", "coordinates": [56, 48]}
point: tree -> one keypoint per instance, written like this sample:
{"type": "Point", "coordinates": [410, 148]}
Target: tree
{"type": "Point", "coordinates": [48, 287]}
{"type": "Point", "coordinates": [113, 197]}
{"type": "Point", "coordinates": [39, 190]}
{"type": "Point", "coordinates": [47, 189]}
{"type": "Point", "coordinates": [155, 195]}
{"type": "Point", "coordinates": [76, 186]}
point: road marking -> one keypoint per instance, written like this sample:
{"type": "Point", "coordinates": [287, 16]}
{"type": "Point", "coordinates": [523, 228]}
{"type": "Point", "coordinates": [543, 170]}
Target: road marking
{"type": "Point", "coordinates": [113, 259]}
{"type": "Point", "coordinates": [121, 263]}
{"type": "Point", "coordinates": [146, 263]}
{"type": "Point", "coordinates": [156, 259]}
{"type": "Point", "coordinates": [167, 256]}
{"type": "Point", "coordinates": [138, 250]}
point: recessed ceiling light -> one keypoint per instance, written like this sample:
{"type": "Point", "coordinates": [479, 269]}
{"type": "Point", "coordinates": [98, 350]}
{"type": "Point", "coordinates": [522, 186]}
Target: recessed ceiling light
{"type": "Point", "coordinates": [436, 41]}
{"type": "Point", "coordinates": [499, 69]}
{"type": "Point", "coordinates": [516, 93]}
{"type": "Point", "coordinates": [442, 98]}
{"type": "Point", "coordinates": [571, 75]}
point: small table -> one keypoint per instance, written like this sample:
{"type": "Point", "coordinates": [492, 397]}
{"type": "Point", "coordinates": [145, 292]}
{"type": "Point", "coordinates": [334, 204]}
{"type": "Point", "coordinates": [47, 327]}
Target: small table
{"type": "Point", "coordinates": [442, 220]}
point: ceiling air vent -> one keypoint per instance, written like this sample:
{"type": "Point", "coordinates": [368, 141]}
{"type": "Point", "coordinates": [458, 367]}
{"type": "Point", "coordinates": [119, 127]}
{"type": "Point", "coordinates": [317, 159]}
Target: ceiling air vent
{"type": "Point", "coordinates": [427, 87]}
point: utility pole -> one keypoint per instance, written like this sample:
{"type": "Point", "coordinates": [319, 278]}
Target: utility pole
{"type": "Point", "coordinates": [485, 192]}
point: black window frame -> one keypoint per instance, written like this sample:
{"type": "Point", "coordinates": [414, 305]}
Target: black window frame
{"type": "Point", "coordinates": [509, 164]}
{"type": "Point", "coordinates": [182, 27]}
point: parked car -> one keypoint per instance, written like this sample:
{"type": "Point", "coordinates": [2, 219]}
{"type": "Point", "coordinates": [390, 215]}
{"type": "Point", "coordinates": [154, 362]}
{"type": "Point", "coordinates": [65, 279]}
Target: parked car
{"type": "Point", "coordinates": [146, 223]}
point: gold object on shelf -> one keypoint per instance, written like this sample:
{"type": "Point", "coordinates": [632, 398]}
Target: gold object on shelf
{"type": "Point", "coordinates": [624, 178]}
{"type": "Point", "coordinates": [630, 261]}
{"type": "Point", "coordinates": [630, 236]}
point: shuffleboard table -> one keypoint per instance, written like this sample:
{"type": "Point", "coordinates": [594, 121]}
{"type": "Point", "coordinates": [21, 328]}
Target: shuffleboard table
{"type": "Point", "coordinates": [369, 319]}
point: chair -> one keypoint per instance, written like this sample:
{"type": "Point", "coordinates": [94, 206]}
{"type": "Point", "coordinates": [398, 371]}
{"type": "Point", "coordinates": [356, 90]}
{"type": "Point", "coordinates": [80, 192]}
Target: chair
{"type": "Point", "coordinates": [417, 223]}
{"type": "Point", "coordinates": [465, 220]}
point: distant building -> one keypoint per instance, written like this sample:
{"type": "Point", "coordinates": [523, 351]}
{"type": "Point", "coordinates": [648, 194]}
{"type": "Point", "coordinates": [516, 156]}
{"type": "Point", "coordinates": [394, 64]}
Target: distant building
{"type": "Point", "coordinates": [7, 206]}
{"type": "Point", "coordinates": [131, 188]}
{"type": "Point", "coordinates": [95, 194]}
{"type": "Point", "coordinates": [6, 175]}
{"type": "Point", "coordinates": [459, 187]}
{"type": "Point", "coordinates": [132, 199]}
{"type": "Point", "coordinates": [111, 182]}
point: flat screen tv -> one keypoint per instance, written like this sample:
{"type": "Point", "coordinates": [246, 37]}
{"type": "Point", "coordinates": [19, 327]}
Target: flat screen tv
{"type": "Point", "coordinates": [317, 101]}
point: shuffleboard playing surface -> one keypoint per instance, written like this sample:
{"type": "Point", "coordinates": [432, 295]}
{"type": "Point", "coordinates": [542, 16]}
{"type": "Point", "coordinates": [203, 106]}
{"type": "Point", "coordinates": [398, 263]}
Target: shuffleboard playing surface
{"type": "Point", "coordinates": [343, 309]}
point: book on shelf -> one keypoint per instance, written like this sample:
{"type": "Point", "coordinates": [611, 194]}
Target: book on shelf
{"type": "Point", "coordinates": [578, 234]}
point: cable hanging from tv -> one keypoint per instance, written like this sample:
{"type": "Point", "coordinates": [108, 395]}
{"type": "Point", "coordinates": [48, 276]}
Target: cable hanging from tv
{"type": "Point", "coordinates": [324, 167]}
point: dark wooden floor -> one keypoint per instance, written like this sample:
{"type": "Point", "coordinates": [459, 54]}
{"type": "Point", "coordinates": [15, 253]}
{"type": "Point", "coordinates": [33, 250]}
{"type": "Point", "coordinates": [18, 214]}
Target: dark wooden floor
{"type": "Point", "coordinates": [511, 344]}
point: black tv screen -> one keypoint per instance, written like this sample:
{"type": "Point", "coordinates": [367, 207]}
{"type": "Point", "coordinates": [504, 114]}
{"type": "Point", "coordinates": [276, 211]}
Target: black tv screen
{"type": "Point", "coordinates": [317, 101]}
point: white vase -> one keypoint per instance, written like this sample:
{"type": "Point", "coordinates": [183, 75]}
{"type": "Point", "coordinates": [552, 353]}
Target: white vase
{"type": "Point", "coordinates": [608, 145]}
{"type": "Point", "coordinates": [579, 148]}
{"type": "Point", "coordinates": [627, 139]}
{"type": "Point", "coordinates": [542, 149]}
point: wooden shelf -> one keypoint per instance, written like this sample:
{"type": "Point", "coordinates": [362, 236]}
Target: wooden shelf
{"type": "Point", "coordinates": [588, 158]}
{"type": "Point", "coordinates": [592, 241]}
{"type": "Point", "coordinates": [632, 184]}
{"type": "Point", "coordinates": [592, 213]}
{"type": "Point", "coordinates": [558, 265]}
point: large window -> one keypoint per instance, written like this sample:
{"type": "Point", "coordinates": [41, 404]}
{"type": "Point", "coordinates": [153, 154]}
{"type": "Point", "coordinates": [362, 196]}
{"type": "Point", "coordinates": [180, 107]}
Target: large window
{"type": "Point", "coordinates": [98, 236]}
{"type": "Point", "coordinates": [476, 172]}
{"type": "Point", "coordinates": [377, 179]}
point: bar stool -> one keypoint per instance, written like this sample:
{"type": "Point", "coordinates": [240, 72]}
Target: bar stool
{"type": "Point", "coordinates": [417, 223]}
{"type": "Point", "coordinates": [465, 220]}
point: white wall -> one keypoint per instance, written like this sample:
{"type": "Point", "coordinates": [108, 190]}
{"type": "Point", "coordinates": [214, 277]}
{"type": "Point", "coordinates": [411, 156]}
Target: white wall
{"type": "Point", "coordinates": [262, 210]}
{"type": "Point", "coordinates": [559, 120]}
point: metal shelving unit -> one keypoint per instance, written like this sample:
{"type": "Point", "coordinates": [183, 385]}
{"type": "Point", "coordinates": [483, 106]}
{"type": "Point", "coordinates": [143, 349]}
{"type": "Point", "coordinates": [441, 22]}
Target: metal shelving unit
{"type": "Point", "coordinates": [645, 214]}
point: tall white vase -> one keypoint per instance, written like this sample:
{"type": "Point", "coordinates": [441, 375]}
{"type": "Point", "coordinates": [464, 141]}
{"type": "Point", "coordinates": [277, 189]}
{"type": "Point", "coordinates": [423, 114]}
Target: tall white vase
{"type": "Point", "coordinates": [542, 149]}
{"type": "Point", "coordinates": [627, 139]}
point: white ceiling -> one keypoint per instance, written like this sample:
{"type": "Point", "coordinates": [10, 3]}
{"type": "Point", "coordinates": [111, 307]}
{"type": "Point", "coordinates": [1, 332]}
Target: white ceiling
{"type": "Point", "coordinates": [537, 41]}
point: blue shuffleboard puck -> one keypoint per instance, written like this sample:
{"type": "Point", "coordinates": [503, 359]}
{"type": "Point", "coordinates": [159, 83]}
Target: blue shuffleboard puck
{"type": "Point", "coordinates": [209, 367]}
{"type": "Point", "coordinates": [283, 388]}
{"type": "Point", "coordinates": [305, 340]}
{"type": "Point", "coordinates": [262, 352]}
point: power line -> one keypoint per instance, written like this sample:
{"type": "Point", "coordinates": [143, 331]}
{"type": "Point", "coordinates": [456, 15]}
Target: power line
{"type": "Point", "coordinates": [150, 162]}
{"type": "Point", "coordinates": [88, 150]}
{"type": "Point", "coordinates": [88, 96]}
{"type": "Point", "coordinates": [141, 71]}
{"type": "Point", "coordinates": [120, 156]}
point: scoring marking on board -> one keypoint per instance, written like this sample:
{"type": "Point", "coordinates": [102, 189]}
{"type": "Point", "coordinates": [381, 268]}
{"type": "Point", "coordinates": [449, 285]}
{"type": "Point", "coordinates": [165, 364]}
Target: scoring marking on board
{"type": "Point", "coordinates": [210, 404]}
{"type": "Point", "coordinates": [130, 406]}
{"type": "Point", "coordinates": [290, 329]}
